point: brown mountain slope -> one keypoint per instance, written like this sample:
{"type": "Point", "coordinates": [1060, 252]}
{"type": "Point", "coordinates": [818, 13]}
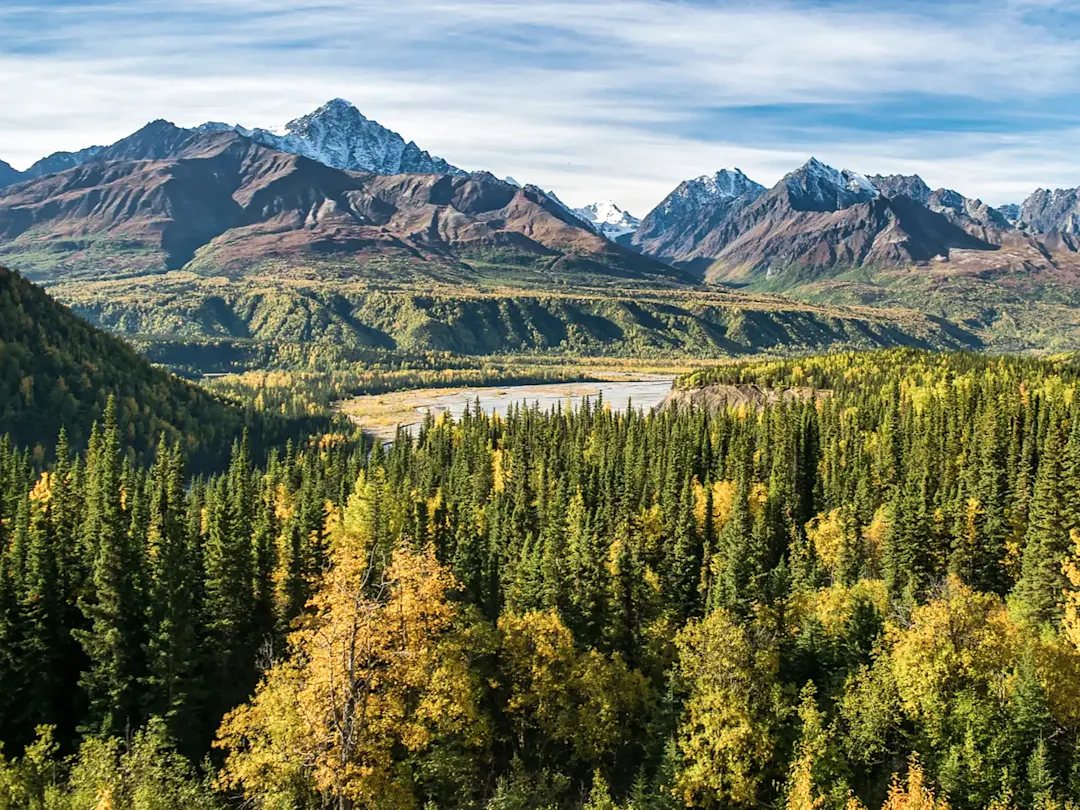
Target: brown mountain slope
{"type": "Point", "coordinates": [229, 203]}
{"type": "Point", "coordinates": [820, 222]}
{"type": "Point", "coordinates": [773, 236]}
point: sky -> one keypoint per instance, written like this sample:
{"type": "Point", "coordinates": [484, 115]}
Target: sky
{"type": "Point", "coordinates": [594, 99]}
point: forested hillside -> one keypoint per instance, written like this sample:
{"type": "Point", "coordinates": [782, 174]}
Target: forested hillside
{"type": "Point", "coordinates": [862, 594]}
{"type": "Point", "coordinates": [209, 323]}
{"type": "Point", "coordinates": [57, 371]}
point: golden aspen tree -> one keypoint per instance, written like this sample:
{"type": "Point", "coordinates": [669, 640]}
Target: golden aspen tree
{"type": "Point", "coordinates": [374, 671]}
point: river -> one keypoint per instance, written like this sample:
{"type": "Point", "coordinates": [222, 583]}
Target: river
{"type": "Point", "coordinates": [381, 414]}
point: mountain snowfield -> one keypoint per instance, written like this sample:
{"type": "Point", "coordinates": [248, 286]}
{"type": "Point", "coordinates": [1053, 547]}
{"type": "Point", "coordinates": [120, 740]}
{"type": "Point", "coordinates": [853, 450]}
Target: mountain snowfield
{"type": "Point", "coordinates": [693, 196]}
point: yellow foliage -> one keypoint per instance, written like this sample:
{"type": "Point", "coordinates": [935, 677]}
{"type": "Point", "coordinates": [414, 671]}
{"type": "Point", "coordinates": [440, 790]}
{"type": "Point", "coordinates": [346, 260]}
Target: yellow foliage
{"type": "Point", "coordinates": [833, 606]}
{"type": "Point", "coordinates": [725, 738]}
{"type": "Point", "coordinates": [832, 536]}
{"type": "Point", "coordinates": [587, 700]}
{"type": "Point", "coordinates": [801, 794]}
{"type": "Point", "coordinates": [1071, 569]}
{"type": "Point", "coordinates": [651, 528]}
{"type": "Point", "coordinates": [915, 794]}
{"type": "Point", "coordinates": [498, 470]}
{"type": "Point", "coordinates": [759, 493]}
{"type": "Point", "coordinates": [375, 671]}
{"type": "Point", "coordinates": [283, 503]}
{"type": "Point", "coordinates": [42, 491]}
{"type": "Point", "coordinates": [874, 537]}
{"type": "Point", "coordinates": [697, 493]}
{"type": "Point", "coordinates": [1057, 667]}
{"type": "Point", "coordinates": [963, 638]}
{"type": "Point", "coordinates": [723, 498]}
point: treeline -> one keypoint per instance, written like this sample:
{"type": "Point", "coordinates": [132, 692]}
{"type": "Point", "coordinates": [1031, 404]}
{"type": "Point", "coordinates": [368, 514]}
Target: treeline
{"type": "Point", "coordinates": [867, 598]}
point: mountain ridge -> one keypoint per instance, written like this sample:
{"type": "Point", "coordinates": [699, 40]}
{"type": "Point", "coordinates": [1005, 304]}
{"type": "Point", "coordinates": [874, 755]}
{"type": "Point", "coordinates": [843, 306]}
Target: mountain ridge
{"type": "Point", "coordinates": [167, 196]}
{"type": "Point", "coordinates": [338, 135]}
{"type": "Point", "coordinates": [819, 219]}
{"type": "Point", "coordinates": [57, 371]}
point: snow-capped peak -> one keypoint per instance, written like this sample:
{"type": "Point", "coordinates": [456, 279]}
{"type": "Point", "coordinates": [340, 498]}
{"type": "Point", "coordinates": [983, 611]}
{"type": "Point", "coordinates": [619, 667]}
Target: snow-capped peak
{"type": "Point", "coordinates": [607, 211]}
{"type": "Point", "coordinates": [339, 135]}
{"type": "Point", "coordinates": [724, 184]}
{"type": "Point", "coordinates": [818, 186]}
{"type": "Point", "coordinates": [608, 218]}
{"type": "Point", "coordinates": [708, 195]}
{"type": "Point", "coordinates": [859, 182]}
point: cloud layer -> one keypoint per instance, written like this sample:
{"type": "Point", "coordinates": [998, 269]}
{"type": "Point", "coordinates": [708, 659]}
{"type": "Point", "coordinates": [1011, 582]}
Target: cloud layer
{"type": "Point", "coordinates": [593, 98]}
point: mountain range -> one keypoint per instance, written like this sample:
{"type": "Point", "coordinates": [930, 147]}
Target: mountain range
{"type": "Point", "coordinates": [695, 225]}
{"type": "Point", "coordinates": [167, 197]}
{"type": "Point", "coordinates": [335, 197]}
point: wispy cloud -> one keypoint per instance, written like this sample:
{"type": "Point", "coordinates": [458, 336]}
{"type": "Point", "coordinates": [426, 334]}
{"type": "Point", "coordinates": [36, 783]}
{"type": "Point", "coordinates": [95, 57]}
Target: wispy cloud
{"type": "Point", "coordinates": [593, 98]}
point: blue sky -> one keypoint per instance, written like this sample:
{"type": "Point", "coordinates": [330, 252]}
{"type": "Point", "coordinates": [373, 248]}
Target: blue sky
{"type": "Point", "coordinates": [591, 98]}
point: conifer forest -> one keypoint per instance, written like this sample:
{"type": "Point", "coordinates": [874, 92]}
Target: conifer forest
{"type": "Point", "coordinates": [860, 592]}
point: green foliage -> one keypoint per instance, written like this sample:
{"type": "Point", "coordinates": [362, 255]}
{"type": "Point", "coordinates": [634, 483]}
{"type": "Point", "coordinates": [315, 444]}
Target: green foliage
{"type": "Point", "coordinates": [778, 602]}
{"type": "Point", "coordinates": [199, 324]}
{"type": "Point", "coordinates": [56, 371]}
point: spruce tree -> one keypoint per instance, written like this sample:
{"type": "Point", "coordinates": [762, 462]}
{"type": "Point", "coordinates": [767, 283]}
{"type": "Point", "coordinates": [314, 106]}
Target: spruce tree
{"type": "Point", "coordinates": [112, 640]}
{"type": "Point", "coordinates": [1039, 591]}
{"type": "Point", "coordinates": [175, 653]}
{"type": "Point", "coordinates": [229, 587]}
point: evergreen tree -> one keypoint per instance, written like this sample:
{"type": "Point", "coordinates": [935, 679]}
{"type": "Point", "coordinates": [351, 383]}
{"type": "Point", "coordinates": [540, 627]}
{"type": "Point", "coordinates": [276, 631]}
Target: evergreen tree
{"type": "Point", "coordinates": [1042, 583]}
{"type": "Point", "coordinates": [175, 655]}
{"type": "Point", "coordinates": [112, 642]}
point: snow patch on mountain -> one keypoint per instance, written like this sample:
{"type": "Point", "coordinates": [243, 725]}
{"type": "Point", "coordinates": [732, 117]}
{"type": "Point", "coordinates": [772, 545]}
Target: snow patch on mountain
{"type": "Point", "coordinates": [61, 161]}
{"type": "Point", "coordinates": [1049, 210]}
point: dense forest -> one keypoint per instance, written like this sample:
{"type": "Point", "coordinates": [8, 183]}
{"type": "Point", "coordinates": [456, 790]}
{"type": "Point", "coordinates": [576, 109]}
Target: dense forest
{"type": "Point", "coordinates": [57, 371]}
{"type": "Point", "coordinates": [865, 594]}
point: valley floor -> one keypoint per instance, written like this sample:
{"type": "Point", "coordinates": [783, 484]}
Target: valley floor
{"type": "Point", "coordinates": [380, 415]}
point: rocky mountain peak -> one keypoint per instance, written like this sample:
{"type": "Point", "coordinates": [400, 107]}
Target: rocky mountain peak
{"type": "Point", "coordinates": [907, 185]}
{"type": "Point", "coordinates": [1052, 211]}
{"type": "Point", "coordinates": [338, 135]}
{"type": "Point", "coordinates": [816, 186]}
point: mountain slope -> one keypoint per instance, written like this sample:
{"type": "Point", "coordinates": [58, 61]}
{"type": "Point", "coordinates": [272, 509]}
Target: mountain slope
{"type": "Point", "coordinates": [215, 324]}
{"type": "Point", "coordinates": [338, 135]}
{"type": "Point", "coordinates": [8, 175]}
{"type": "Point", "coordinates": [156, 141]}
{"type": "Point", "coordinates": [1048, 211]}
{"type": "Point", "coordinates": [167, 197]}
{"type": "Point", "coordinates": [58, 371]}
{"type": "Point", "coordinates": [672, 230]}
{"type": "Point", "coordinates": [819, 220]}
